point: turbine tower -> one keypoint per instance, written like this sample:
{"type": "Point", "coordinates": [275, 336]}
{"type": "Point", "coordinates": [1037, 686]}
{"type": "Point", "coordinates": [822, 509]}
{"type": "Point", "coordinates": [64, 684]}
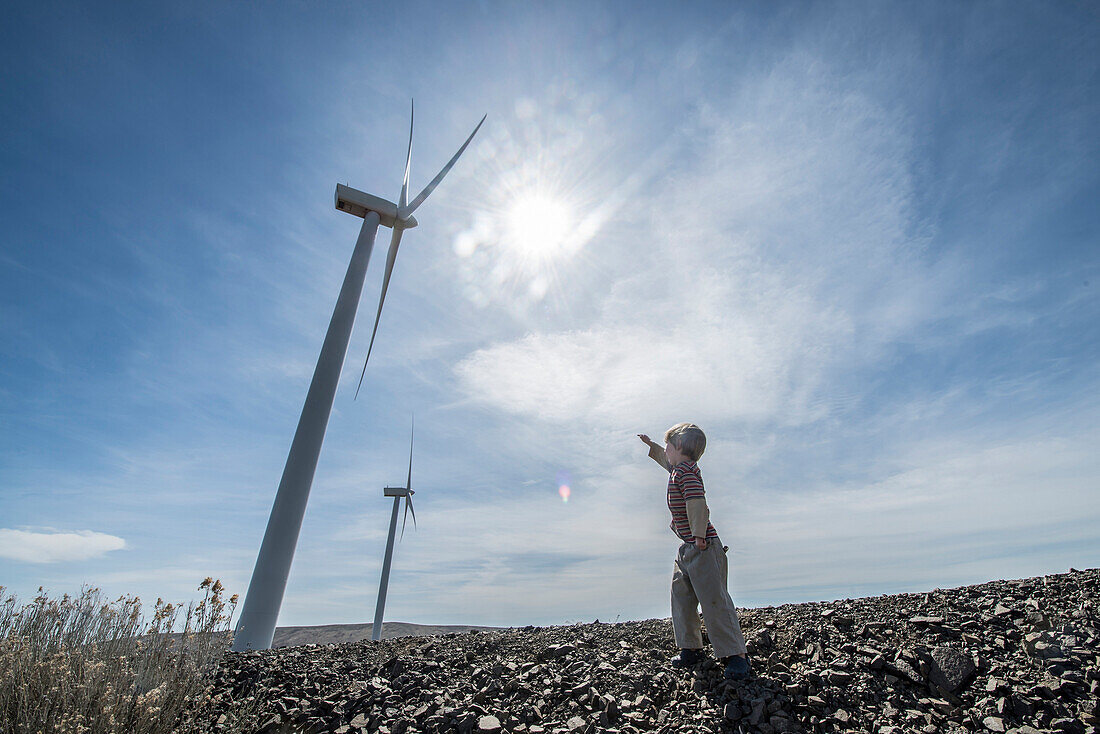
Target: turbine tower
{"type": "Point", "coordinates": [256, 626]}
{"type": "Point", "coordinates": [397, 493]}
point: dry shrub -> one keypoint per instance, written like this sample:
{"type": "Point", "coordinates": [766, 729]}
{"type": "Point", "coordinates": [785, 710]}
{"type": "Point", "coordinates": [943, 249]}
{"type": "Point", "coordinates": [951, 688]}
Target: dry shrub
{"type": "Point", "coordinates": [83, 665]}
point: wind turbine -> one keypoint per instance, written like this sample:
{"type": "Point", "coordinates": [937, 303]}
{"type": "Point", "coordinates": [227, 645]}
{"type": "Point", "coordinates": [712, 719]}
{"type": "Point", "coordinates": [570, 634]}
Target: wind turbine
{"type": "Point", "coordinates": [256, 626]}
{"type": "Point", "coordinates": [397, 493]}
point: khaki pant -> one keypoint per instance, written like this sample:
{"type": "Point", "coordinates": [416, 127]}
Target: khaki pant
{"type": "Point", "coordinates": [699, 578]}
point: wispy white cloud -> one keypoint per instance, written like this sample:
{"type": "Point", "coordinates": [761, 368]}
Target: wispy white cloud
{"type": "Point", "coordinates": [958, 512]}
{"type": "Point", "coordinates": [942, 511]}
{"type": "Point", "coordinates": [56, 546]}
{"type": "Point", "coordinates": [784, 247]}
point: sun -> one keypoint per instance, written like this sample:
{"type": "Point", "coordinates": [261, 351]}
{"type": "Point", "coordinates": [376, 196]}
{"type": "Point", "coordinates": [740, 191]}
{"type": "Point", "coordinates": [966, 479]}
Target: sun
{"type": "Point", "coordinates": [537, 226]}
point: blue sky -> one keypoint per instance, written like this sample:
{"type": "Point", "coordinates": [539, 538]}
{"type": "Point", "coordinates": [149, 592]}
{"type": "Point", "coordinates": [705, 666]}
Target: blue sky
{"type": "Point", "coordinates": [852, 241]}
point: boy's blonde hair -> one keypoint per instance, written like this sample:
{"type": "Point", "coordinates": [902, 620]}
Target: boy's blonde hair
{"type": "Point", "coordinates": [688, 438]}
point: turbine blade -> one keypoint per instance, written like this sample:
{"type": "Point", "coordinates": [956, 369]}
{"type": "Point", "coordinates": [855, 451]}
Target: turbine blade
{"type": "Point", "coordinates": [406, 517]}
{"type": "Point", "coordinates": [391, 256]}
{"type": "Point", "coordinates": [408, 160]}
{"type": "Point", "coordinates": [404, 212]}
{"type": "Point", "coordinates": [408, 508]}
{"type": "Point", "coordinates": [409, 481]}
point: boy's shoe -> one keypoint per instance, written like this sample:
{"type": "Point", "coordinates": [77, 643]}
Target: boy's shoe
{"type": "Point", "coordinates": [738, 668]}
{"type": "Point", "coordinates": [688, 658]}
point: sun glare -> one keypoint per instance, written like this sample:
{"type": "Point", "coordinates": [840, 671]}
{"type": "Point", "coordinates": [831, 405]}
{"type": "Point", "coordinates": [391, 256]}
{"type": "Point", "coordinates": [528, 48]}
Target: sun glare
{"type": "Point", "coordinates": [537, 226]}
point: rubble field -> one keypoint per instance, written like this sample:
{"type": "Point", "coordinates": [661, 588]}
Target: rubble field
{"type": "Point", "coordinates": [1017, 656]}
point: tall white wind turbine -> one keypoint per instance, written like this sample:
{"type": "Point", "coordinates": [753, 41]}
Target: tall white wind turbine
{"type": "Point", "coordinates": [397, 493]}
{"type": "Point", "coordinates": [256, 626]}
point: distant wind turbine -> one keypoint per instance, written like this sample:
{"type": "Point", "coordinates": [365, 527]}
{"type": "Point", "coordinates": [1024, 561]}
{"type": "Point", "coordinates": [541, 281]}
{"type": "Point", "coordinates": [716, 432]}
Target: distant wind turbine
{"type": "Point", "coordinates": [256, 626]}
{"type": "Point", "coordinates": [397, 493]}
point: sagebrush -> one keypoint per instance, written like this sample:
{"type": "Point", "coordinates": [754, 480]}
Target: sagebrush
{"type": "Point", "coordinates": [83, 665]}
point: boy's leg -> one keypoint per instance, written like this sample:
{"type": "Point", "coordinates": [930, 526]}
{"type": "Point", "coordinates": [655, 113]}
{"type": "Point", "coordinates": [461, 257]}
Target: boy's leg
{"type": "Point", "coordinates": [685, 607]}
{"type": "Point", "coordinates": [708, 571]}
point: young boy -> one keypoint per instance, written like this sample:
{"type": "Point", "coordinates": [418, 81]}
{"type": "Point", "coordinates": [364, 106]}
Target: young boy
{"type": "Point", "coordinates": [699, 574]}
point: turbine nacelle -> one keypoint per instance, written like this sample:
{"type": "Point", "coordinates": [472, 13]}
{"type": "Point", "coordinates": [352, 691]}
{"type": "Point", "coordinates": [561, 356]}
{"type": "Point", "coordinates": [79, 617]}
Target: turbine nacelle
{"type": "Point", "coordinates": [354, 201]}
{"type": "Point", "coordinates": [397, 492]}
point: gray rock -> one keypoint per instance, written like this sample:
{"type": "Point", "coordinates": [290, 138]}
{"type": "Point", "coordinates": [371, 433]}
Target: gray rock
{"type": "Point", "coordinates": [757, 711]}
{"type": "Point", "coordinates": [783, 725]}
{"type": "Point", "coordinates": [950, 668]}
{"type": "Point", "coordinates": [1040, 645]}
{"type": "Point", "coordinates": [488, 725]}
{"type": "Point", "coordinates": [902, 669]}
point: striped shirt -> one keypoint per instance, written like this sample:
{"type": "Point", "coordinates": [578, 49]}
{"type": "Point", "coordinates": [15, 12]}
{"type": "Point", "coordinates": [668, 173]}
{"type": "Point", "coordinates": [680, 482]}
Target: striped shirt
{"type": "Point", "coordinates": [685, 483]}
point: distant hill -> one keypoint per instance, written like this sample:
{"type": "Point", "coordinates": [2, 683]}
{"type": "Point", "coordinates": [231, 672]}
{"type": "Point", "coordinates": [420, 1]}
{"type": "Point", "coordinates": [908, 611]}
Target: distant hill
{"type": "Point", "coordinates": [328, 634]}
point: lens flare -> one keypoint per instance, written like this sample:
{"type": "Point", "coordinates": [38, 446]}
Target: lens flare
{"type": "Point", "coordinates": [563, 485]}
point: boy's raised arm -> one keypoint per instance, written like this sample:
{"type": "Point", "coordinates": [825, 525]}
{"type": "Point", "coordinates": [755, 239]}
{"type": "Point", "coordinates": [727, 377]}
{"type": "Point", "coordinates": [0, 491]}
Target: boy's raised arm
{"type": "Point", "coordinates": [656, 452]}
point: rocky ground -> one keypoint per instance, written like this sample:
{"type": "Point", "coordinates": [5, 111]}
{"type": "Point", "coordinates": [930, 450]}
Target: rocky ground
{"type": "Point", "coordinates": [331, 634]}
{"type": "Point", "coordinates": [1007, 656]}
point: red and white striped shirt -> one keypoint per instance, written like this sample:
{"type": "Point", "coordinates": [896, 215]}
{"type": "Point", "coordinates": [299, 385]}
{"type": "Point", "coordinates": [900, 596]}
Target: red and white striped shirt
{"type": "Point", "coordinates": [685, 483]}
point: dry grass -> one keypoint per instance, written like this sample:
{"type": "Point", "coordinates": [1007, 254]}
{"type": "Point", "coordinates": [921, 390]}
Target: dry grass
{"type": "Point", "coordinates": [83, 665]}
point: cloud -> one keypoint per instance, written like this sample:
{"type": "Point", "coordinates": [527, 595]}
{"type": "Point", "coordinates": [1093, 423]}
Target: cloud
{"type": "Point", "coordinates": [54, 546]}
{"type": "Point", "coordinates": [950, 509]}
{"type": "Point", "coordinates": [796, 254]}
{"type": "Point", "coordinates": [745, 367]}
{"type": "Point", "coordinates": [942, 511]}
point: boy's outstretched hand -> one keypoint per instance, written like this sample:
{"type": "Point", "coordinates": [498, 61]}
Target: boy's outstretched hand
{"type": "Point", "coordinates": [645, 439]}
